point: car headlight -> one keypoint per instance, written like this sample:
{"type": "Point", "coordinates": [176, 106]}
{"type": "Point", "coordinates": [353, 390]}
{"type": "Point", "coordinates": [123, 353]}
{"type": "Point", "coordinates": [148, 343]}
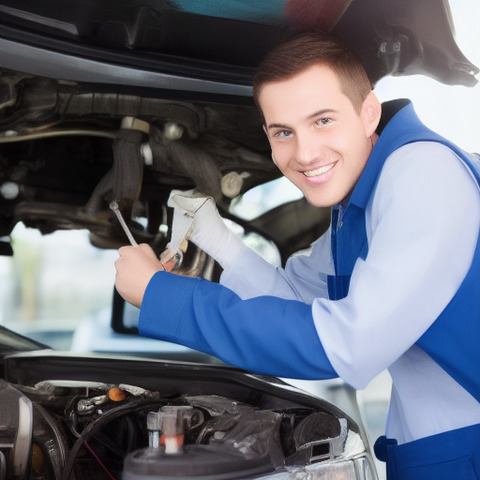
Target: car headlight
{"type": "Point", "coordinates": [340, 458]}
{"type": "Point", "coordinates": [352, 469]}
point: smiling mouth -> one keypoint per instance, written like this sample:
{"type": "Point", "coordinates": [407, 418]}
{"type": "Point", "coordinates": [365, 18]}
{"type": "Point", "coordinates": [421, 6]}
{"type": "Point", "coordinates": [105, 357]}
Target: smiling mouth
{"type": "Point", "coordinates": [319, 171]}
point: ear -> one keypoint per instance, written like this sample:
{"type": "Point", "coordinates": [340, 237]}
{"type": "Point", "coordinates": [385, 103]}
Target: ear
{"type": "Point", "coordinates": [371, 113]}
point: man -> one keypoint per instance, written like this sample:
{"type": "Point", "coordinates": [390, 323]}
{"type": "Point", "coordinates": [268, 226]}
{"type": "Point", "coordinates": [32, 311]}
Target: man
{"type": "Point", "coordinates": [394, 283]}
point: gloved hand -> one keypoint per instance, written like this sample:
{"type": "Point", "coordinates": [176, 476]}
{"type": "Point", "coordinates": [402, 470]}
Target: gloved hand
{"type": "Point", "coordinates": [196, 218]}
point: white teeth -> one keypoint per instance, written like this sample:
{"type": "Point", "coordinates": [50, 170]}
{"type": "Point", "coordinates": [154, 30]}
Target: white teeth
{"type": "Point", "coordinates": [319, 171]}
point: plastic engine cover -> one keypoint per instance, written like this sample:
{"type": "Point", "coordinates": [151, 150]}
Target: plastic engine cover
{"type": "Point", "coordinates": [205, 462]}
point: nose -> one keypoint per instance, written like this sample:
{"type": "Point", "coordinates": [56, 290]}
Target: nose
{"type": "Point", "coordinates": [308, 148]}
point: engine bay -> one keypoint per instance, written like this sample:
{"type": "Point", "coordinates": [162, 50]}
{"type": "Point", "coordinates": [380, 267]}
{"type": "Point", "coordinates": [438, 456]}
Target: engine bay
{"type": "Point", "coordinates": [201, 422]}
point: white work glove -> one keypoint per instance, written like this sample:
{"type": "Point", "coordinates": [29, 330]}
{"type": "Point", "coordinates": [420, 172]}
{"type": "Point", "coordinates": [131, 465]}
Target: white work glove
{"type": "Point", "coordinates": [196, 218]}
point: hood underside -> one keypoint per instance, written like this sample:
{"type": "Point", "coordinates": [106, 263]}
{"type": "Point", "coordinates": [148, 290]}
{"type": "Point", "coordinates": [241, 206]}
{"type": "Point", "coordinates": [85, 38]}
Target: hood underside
{"type": "Point", "coordinates": [127, 100]}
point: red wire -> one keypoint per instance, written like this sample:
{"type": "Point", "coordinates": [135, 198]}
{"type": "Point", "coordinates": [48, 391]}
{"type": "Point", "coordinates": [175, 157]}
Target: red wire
{"type": "Point", "coordinates": [99, 461]}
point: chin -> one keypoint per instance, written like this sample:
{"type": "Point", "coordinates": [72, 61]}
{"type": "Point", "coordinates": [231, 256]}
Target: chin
{"type": "Point", "coordinates": [323, 200]}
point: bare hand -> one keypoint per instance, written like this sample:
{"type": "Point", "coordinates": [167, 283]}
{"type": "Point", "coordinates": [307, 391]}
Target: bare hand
{"type": "Point", "coordinates": [135, 267]}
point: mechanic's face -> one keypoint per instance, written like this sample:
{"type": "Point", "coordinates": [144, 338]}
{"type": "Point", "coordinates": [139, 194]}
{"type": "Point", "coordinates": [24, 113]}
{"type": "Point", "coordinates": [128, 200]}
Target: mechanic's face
{"type": "Point", "coordinates": [318, 140]}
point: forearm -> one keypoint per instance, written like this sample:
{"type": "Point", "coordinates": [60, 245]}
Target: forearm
{"type": "Point", "coordinates": [265, 335]}
{"type": "Point", "coordinates": [252, 276]}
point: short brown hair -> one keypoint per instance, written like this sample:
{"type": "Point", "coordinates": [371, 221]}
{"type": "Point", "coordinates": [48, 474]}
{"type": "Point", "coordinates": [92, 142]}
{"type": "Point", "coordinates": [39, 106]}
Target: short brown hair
{"type": "Point", "coordinates": [308, 48]}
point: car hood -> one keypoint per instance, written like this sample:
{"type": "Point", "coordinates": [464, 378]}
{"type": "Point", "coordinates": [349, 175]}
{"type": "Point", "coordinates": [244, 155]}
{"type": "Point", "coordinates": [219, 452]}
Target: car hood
{"type": "Point", "coordinates": [222, 42]}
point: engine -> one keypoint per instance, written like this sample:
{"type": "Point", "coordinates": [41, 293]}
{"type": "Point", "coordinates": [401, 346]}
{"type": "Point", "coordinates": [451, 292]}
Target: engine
{"type": "Point", "coordinates": [71, 429]}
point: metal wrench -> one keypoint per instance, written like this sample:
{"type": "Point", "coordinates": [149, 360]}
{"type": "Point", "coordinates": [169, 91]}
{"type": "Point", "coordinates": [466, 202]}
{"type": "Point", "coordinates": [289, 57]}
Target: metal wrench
{"type": "Point", "coordinates": [114, 207]}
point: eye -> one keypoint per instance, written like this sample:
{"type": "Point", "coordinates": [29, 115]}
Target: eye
{"type": "Point", "coordinates": [323, 121]}
{"type": "Point", "coordinates": [282, 134]}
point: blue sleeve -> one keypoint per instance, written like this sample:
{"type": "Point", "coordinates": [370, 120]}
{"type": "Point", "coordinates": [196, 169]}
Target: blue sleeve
{"type": "Point", "coordinates": [265, 335]}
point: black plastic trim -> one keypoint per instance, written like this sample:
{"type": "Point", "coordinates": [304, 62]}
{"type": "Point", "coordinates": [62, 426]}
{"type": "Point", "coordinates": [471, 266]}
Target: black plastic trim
{"type": "Point", "coordinates": [38, 61]}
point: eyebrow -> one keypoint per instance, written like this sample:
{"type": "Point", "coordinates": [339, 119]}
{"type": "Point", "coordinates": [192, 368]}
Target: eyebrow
{"type": "Point", "coordinates": [323, 111]}
{"type": "Point", "coordinates": [318, 113]}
